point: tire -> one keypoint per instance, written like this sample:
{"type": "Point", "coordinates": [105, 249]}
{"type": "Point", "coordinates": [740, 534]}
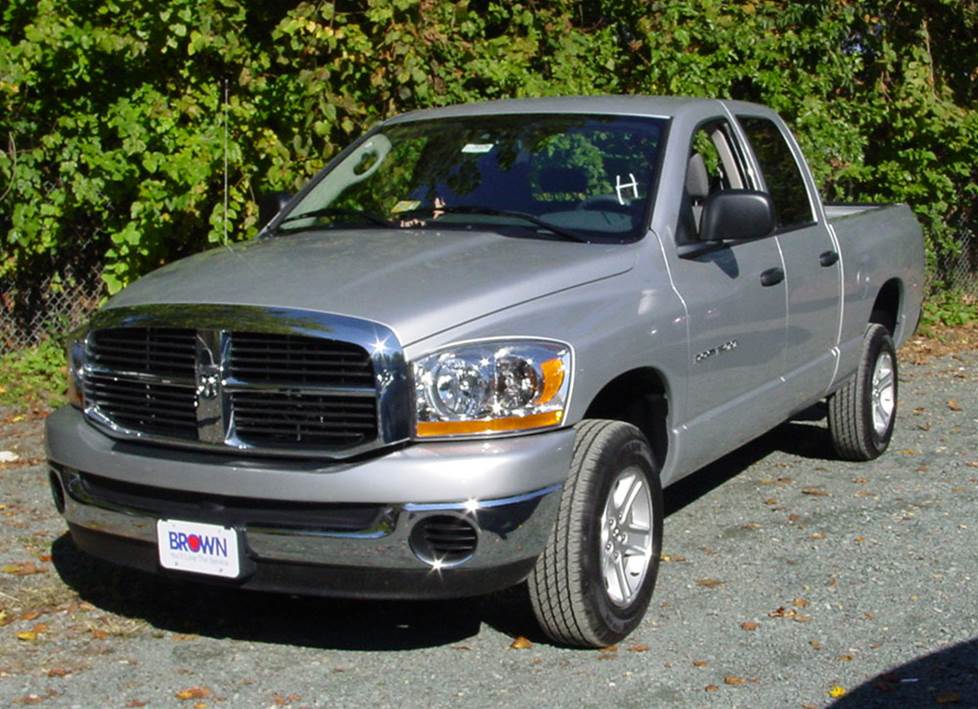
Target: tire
{"type": "Point", "coordinates": [580, 595]}
{"type": "Point", "coordinates": [863, 412]}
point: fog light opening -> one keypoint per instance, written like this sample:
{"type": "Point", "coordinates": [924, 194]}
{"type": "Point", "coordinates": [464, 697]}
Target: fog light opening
{"type": "Point", "coordinates": [443, 541]}
{"type": "Point", "coordinates": [57, 492]}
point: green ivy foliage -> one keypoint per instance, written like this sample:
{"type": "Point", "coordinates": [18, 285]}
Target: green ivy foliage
{"type": "Point", "coordinates": [116, 117]}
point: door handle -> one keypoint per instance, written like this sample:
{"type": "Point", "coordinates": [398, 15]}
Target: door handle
{"type": "Point", "coordinates": [828, 258]}
{"type": "Point", "coordinates": [772, 276]}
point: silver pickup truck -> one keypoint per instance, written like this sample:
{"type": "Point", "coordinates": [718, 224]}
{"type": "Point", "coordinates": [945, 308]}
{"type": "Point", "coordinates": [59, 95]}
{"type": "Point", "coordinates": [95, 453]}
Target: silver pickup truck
{"type": "Point", "coordinates": [474, 349]}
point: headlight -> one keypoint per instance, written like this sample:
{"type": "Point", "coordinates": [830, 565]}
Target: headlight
{"type": "Point", "coordinates": [492, 387]}
{"type": "Point", "coordinates": [75, 356]}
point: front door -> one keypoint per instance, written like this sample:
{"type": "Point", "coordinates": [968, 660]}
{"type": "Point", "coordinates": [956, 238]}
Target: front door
{"type": "Point", "coordinates": [736, 308]}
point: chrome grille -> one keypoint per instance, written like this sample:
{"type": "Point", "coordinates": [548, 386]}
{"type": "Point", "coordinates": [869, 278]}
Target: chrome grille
{"type": "Point", "coordinates": [142, 379]}
{"type": "Point", "coordinates": [278, 393]}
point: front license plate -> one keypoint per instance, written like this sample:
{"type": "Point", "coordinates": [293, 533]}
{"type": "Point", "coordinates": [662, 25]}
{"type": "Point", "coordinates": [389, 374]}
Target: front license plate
{"type": "Point", "coordinates": [199, 548]}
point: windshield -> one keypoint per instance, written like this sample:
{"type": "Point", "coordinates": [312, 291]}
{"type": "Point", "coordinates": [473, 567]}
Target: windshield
{"type": "Point", "coordinates": [587, 177]}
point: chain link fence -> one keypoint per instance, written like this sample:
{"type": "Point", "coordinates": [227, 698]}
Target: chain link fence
{"type": "Point", "coordinates": [53, 306]}
{"type": "Point", "coordinates": [63, 300]}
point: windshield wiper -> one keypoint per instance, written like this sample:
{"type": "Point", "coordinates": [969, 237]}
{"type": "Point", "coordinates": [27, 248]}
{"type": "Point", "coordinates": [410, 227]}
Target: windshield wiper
{"type": "Point", "coordinates": [338, 212]}
{"type": "Point", "coordinates": [493, 212]}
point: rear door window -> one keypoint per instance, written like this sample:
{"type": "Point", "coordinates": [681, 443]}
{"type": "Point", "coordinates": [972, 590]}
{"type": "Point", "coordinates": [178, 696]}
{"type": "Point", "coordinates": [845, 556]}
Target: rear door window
{"type": "Point", "coordinates": [781, 173]}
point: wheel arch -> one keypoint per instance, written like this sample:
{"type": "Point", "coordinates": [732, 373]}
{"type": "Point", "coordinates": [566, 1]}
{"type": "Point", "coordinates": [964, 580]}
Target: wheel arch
{"type": "Point", "coordinates": [886, 307]}
{"type": "Point", "coordinates": [639, 397]}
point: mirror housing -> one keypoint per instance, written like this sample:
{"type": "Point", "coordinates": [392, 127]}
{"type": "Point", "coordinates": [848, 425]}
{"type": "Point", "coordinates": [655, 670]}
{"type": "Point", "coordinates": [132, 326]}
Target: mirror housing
{"type": "Point", "coordinates": [270, 204]}
{"type": "Point", "coordinates": [737, 215]}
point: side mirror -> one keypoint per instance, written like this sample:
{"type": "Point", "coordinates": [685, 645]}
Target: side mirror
{"type": "Point", "coordinates": [737, 214]}
{"type": "Point", "coordinates": [269, 204]}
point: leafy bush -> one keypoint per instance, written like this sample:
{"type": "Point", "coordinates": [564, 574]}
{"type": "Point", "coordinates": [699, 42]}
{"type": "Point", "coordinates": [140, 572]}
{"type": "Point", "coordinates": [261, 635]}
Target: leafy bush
{"type": "Point", "coordinates": [113, 115]}
{"type": "Point", "coordinates": [948, 309]}
{"type": "Point", "coordinates": [34, 378]}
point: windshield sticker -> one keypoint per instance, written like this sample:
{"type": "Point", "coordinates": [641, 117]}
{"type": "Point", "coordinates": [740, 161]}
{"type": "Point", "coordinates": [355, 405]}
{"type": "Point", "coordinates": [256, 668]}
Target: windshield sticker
{"type": "Point", "coordinates": [620, 187]}
{"type": "Point", "coordinates": [406, 205]}
{"type": "Point", "coordinates": [477, 147]}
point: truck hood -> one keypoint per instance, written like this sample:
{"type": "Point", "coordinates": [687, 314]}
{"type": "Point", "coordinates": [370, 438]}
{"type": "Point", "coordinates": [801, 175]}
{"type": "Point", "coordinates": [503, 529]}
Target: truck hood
{"type": "Point", "coordinates": [417, 282]}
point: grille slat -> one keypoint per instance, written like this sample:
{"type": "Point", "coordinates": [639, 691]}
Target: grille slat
{"type": "Point", "coordinates": [166, 409]}
{"type": "Point", "coordinates": [286, 418]}
{"type": "Point", "coordinates": [274, 419]}
{"type": "Point", "coordinates": [264, 358]}
{"type": "Point", "coordinates": [150, 350]}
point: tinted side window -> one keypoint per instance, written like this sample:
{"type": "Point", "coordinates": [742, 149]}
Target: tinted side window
{"type": "Point", "coordinates": [781, 172]}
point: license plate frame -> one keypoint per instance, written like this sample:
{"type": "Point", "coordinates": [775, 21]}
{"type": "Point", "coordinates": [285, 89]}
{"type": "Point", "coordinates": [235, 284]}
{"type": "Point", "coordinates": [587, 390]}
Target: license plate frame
{"type": "Point", "coordinates": [199, 548]}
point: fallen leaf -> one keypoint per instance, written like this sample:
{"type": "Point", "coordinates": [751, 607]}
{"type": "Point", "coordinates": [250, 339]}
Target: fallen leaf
{"type": "Point", "coordinates": [4, 620]}
{"type": "Point", "coordinates": [700, 663]}
{"type": "Point", "coordinates": [58, 672]}
{"type": "Point", "coordinates": [836, 691]}
{"type": "Point", "coordinates": [24, 568]}
{"type": "Point", "coordinates": [708, 583]}
{"type": "Point", "coordinates": [793, 517]}
{"type": "Point", "coordinates": [608, 650]}
{"type": "Point", "coordinates": [814, 492]}
{"type": "Point", "coordinates": [27, 636]}
{"type": "Point", "coordinates": [800, 603]}
{"type": "Point", "coordinates": [907, 451]}
{"type": "Point", "coordinates": [845, 658]}
{"type": "Point", "coordinates": [711, 688]}
{"type": "Point", "coordinates": [859, 540]}
{"type": "Point", "coordinates": [671, 557]}
{"type": "Point", "coordinates": [782, 612]}
{"type": "Point", "coordinates": [817, 535]}
{"type": "Point", "coordinates": [98, 634]}
{"type": "Point", "coordinates": [953, 405]}
{"type": "Point", "coordinates": [750, 525]}
{"type": "Point", "coordinates": [37, 698]}
{"type": "Point", "coordinates": [30, 615]}
{"type": "Point", "coordinates": [869, 615]}
{"type": "Point", "coordinates": [135, 703]}
{"type": "Point", "coordinates": [948, 698]}
{"type": "Point", "coordinates": [770, 501]}
{"type": "Point", "coordinates": [749, 625]}
{"type": "Point", "coordinates": [193, 693]}
{"type": "Point", "coordinates": [816, 645]}
{"type": "Point", "coordinates": [638, 647]}
{"type": "Point", "coordinates": [520, 643]}
{"type": "Point", "coordinates": [734, 680]}
{"type": "Point", "coordinates": [860, 481]}
{"type": "Point", "coordinates": [200, 705]}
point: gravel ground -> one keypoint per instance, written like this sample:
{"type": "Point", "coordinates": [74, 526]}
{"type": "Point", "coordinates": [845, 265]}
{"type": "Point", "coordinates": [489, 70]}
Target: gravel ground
{"type": "Point", "coordinates": [788, 578]}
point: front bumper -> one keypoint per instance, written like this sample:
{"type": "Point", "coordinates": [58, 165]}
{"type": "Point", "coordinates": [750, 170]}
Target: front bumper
{"type": "Point", "coordinates": [311, 528]}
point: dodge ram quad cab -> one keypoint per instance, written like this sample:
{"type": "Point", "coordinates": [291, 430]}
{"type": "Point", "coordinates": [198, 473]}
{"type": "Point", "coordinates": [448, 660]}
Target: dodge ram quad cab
{"type": "Point", "coordinates": [473, 350]}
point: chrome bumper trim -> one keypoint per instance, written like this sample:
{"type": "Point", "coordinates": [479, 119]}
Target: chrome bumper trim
{"type": "Point", "coordinates": [509, 529]}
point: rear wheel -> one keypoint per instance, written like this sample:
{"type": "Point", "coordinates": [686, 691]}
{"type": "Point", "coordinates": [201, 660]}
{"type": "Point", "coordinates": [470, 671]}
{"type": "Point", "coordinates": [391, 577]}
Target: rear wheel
{"type": "Point", "coordinates": [863, 412]}
{"type": "Point", "coordinates": [594, 580]}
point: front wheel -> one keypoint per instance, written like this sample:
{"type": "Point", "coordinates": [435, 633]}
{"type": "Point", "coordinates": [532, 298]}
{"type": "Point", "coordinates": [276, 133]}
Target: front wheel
{"type": "Point", "coordinates": [593, 582]}
{"type": "Point", "coordinates": [863, 412]}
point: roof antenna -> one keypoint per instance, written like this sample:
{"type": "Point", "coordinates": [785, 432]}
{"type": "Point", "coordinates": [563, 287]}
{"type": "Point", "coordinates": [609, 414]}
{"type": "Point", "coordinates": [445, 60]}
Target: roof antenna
{"type": "Point", "coordinates": [225, 161]}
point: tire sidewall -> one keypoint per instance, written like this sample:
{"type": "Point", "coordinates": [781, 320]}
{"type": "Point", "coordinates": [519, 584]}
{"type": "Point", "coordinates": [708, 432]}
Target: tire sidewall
{"type": "Point", "coordinates": [632, 452]}
{"type": "Point", "coordinates": [879, 341]}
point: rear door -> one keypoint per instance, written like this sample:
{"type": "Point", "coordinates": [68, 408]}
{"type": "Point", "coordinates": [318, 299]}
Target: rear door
{"type": "Point", "coordinates": [812, 264]}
